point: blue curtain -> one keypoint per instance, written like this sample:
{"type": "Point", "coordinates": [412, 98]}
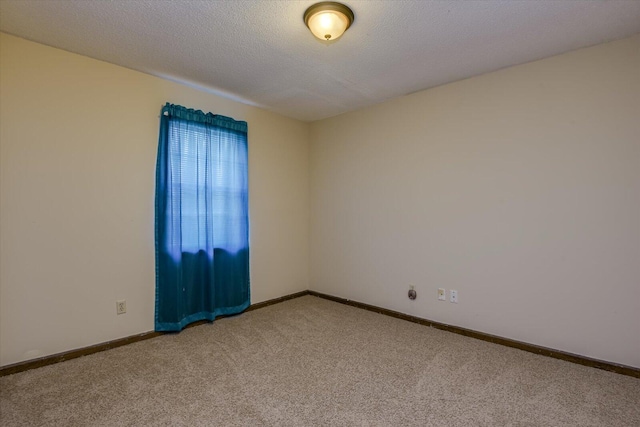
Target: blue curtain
{"type": "Point", "coordinates": [202, 218]}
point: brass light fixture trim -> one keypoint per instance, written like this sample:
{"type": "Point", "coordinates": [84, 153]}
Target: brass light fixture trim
{"type": "Point", "coordinates": [328, 20]}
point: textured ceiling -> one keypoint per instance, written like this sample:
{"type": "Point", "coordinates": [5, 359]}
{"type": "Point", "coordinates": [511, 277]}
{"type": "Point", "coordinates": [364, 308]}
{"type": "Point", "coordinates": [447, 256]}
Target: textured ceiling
{"type": "Point", "coordinates": [260, 52]}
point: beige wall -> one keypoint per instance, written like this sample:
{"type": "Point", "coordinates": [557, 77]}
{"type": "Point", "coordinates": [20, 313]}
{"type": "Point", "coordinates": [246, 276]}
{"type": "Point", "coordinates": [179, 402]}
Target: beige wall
{"type": "Point", "coordinates": [519, 188]}
{"type": "Point", "coordinates": [78, 148]}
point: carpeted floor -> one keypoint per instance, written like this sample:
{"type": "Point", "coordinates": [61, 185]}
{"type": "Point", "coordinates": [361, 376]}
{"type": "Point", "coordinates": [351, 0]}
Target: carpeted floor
{"type": "Point", "coordinates": [313, 362]}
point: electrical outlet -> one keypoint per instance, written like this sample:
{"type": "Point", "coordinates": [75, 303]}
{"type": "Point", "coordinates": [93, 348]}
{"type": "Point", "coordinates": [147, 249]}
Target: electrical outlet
{"type": "Point", "coordinates": [121, 306]}
{"type": "Point", "coordinates": [442, 294]}
{"type": "Point", "coordinates": [454, 296]}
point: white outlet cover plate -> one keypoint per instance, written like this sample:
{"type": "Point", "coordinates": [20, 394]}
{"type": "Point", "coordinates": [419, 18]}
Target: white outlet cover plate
{"type": "Point", "coordinates": [454, 296]}
{"type": "Point", "coordinates": [121, 307]}
{"type": "Point", "coordinates": [442, 294]}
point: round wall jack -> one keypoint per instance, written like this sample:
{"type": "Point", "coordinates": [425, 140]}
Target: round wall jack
{"type": "Point", "coordinates": [412, 294]}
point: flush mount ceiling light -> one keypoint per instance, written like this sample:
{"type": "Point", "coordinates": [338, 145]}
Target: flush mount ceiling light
{"type": "Point", "coordinates": [328, 20]}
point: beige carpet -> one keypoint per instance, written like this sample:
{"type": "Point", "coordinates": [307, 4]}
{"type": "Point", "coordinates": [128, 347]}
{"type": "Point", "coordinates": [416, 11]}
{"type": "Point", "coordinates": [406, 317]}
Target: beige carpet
{"type": "Point", "coordinates": [312, 362]}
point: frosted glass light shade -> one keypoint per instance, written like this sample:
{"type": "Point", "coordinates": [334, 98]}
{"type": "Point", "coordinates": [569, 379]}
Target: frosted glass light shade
{"type": "Point", "coordinates": [328, 20]}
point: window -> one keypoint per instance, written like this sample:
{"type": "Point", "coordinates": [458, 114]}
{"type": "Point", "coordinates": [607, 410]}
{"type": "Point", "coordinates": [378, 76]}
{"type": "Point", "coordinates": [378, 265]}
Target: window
{"type": "Point", "coordinates": [208, 198]}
